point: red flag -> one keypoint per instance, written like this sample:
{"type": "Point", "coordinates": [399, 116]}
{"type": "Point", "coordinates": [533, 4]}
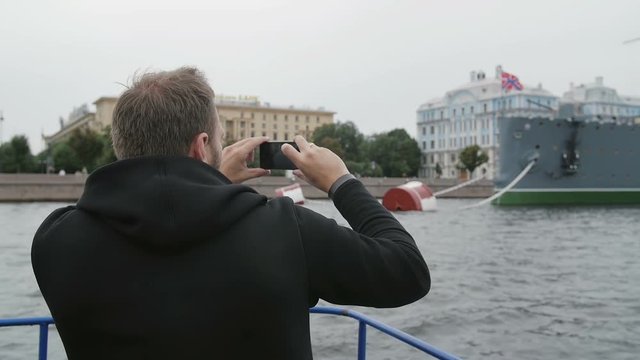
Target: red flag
{"type": "Point", "coordinates": [510, 82]}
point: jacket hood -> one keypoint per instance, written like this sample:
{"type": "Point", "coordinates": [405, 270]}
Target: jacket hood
{"type": "Point", "coordinates": [166, 201]}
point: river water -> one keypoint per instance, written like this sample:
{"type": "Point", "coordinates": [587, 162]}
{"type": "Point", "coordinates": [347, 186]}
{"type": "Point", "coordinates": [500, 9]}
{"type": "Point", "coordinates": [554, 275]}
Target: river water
{"type": "Point", "coordinates": [507, 283]}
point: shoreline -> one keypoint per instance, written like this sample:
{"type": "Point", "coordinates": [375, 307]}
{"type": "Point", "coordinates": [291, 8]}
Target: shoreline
{"type": "Point", "coordinates": [54, 188]}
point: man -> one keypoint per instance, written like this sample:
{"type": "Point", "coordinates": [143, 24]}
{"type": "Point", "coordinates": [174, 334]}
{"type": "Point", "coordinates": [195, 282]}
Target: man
{"type": "Point", "coordinates": [166, 256]}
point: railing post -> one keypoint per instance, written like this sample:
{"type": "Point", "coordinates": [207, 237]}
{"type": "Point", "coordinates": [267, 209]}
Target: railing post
{"type": "Point", "coordinates": [44, 338]}
{"type": "Point", "coordinates": [362, 341]}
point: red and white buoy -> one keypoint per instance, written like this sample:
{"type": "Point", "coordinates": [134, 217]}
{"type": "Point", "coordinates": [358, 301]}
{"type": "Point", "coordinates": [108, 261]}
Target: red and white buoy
{"type": "Point", "coordinates": [412, 196]}
{"type": "Point", "coordinates": [294, 192]}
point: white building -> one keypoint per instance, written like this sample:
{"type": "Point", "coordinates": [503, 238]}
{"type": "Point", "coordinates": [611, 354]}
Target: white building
{"type": "Point", "coordinates": [468, 115]}
{"type": "Point", "coordinates": [595, 99]}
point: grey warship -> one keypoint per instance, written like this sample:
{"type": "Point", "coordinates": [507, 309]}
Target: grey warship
{"type": "Point", "coordinates": [577, 160]}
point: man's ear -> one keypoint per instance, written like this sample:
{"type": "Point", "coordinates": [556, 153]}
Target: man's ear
{"type": "Point", "coordinates": [198, 148]}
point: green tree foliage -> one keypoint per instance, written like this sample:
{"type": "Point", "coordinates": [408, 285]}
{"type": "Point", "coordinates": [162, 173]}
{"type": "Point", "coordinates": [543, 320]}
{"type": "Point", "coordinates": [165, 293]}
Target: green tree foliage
{"type": "Point", "coordinates": [342, 138]}
{"type": "Point", "coordinates": [332, 144]}
{"type": "Point", "coordinates": [85, 149]}
{"type": "Point", "coordinates": [88, 146]}
{"type": "Point", "coordinates": [471, 157]}
{"type": "Point", "coordinates": [65, 158]}
{"type": "Point", "coordinates": [16, 157]}
{"type": "Point", "coordinates": [396, 152]}
{"type": "Point", "coordinates": [108, 154]}
{"type": "Point", "coordinates": [346, 141]}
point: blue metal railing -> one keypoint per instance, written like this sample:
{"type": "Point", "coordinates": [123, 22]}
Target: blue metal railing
{"type": "Point", "coordinates": [362, 333]}
{"type": "Point", "coordinates": [44, 322]}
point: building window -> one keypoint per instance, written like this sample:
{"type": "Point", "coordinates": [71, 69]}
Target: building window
{"type": "Point", "coordinates": [296, 118]}
{"type": "Point", "coordinates": [253, 125]}
{"type": "Point", "coordinates": [433, 144]}
{"type": "Point", "coordinates": [454, 112]}
{"type": "Point", "coordinates": [264, 126]}
{"type": "Point", "coordinates": [252, 115]}
{"type": "Point", "coordinates": [462, 111]}
{"type": "Point", "coordinates": [242, 134]}
{"type": "Point", "coordinates": [453, 158]}
{"type": "Point", "coordinates": [307, 118]}
{"type": "Point", "coordinates": [275, 116]}
{"type": "Point", "coordinates": [441, 114]}
{"type": "Point", "coordinates": [242, 124]}
{"type": "Point", "coordinates": [253, 134]}
{"type": "Point", "coordinates": [485, 107]}
{"type": "Point", "coordinates": [286, 136]}
{"type": "Point", "coordinates": [264, 133]}
{"type": "Point", "coordinates": [471, 109]}
{"type": "Point", "coordinates": [424, 145]}
{"type": "Point", "coordinates": [431, 129]}
{"type": "Point", "coordinates": [264, 116]}
{"type": "Point", "coordinates": [317, 119]}
{"type": "Point", "coordinates": [432, 159]}
{"type": "Point", "coordinates": [275, 136]}
{"type": "Point", "coordinates": [424, 130]}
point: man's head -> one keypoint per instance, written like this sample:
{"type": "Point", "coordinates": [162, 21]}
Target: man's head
{"type": "Point", "coordinates": [168, 113]}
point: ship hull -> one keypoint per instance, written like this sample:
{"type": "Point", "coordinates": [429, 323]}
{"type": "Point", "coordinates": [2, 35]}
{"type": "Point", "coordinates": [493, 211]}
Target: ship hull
{"type": "Point", "coordinates": [576, 162]}
{"type": "Point", "coordinates": [569, 197]}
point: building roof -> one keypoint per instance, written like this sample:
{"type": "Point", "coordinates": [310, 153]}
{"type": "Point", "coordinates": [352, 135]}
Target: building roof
{"type": "Point", "coordinates": [480, 90]}
{"type": "Point", "coordinates": [267, 107]}
{"type": "Point", "coordinates": [598, 92]}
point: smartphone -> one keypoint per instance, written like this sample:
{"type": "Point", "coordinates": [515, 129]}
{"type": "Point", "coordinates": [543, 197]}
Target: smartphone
{"type": "Point", "coordinates": [271, 156]}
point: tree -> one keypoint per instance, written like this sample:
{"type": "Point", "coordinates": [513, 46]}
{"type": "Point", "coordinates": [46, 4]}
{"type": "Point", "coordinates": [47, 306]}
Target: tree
{"type": "Point", "coordinates": [438, 170]}
{"type": "Point", "coordinates": [471, 157]}
{"type": "Point", "coordinates": [396, 152]}
{"type": "Point", "coordinates": [332, 144]}
{"type": "Point", "coordinates": [16, 157]}
{"type": "Point", "coordinates": [346, 135]}
{"type": "Point", "coordinates": [88, 146]}
{"type": "Point", "coordinates": [65, 158]}
{"type": "Point", "coordinates": [108, 154]}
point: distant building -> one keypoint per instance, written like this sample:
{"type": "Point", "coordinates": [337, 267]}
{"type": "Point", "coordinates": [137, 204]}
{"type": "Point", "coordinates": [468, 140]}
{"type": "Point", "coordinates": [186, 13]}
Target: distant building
{"type": "Point", "coordinates": [468, 115]}
{"type": "Point", "coordinates": [81, 117]}
{"type": "Point", "coordinates": [246, 116]}
{"type": "Point", "coordinates": [241, 116]}
{"type": "Point", "coordinates": [595, 99]}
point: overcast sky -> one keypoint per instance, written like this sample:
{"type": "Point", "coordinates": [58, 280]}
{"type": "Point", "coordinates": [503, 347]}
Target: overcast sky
{"type": "Point", "coordinates": [373, 62]}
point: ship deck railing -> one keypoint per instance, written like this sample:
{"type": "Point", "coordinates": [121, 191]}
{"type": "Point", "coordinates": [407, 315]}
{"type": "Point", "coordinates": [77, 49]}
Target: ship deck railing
{"type": "Point", "coordinates": [364, 321]}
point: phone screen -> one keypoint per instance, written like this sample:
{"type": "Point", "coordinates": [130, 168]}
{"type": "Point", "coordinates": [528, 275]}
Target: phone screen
{"type": "Point", "coordinates": [271, 157]}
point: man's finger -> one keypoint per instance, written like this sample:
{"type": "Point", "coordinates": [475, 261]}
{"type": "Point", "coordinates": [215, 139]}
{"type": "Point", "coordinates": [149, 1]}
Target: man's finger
{"type": "Point", "coordinates": [251, 143]}
{"type": "Point", "coordinates": [303, 145]}
{"type": "Point", "coordinates": [291, 153]}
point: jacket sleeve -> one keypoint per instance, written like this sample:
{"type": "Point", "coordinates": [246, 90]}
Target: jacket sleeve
{"type": "Point", "coordinates": [375, 264]}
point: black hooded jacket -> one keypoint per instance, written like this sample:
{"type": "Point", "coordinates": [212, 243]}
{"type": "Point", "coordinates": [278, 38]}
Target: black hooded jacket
{"type": "Point", "coordinates": [164, 258]}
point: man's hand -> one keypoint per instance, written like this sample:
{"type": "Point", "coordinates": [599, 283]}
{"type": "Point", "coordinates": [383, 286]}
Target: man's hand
{"type": "Point", "coordinates": [234, 160]}
{"type": "Point", "coordinates": [318, 166]}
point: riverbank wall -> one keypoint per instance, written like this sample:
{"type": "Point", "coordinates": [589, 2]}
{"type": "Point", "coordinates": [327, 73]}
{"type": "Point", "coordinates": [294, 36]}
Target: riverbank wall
{"type": "Point", "coordinates": [68, 188]}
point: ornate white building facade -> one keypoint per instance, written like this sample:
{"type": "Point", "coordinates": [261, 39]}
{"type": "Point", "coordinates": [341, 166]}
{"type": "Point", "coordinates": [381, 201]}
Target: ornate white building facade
{"type": "Point", "coordinates": [468, 115]}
